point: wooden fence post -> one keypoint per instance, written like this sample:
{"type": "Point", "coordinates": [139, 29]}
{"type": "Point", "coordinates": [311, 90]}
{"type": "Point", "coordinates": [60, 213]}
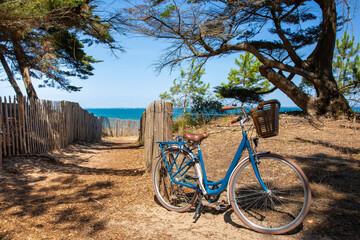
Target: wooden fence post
{"type": "Point", "coordinates": [0, 144]}
{"type": "Point", "coordinates": [1, 133]}
{"type": "Point", "coordinates": [142, 128]}
{"type": "Point", "coordinates": [158, 127]}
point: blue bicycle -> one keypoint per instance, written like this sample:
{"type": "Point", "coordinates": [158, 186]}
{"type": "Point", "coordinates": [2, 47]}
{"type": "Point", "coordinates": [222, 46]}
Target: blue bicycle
{"type": "Point", "coordinates": [269, 193]}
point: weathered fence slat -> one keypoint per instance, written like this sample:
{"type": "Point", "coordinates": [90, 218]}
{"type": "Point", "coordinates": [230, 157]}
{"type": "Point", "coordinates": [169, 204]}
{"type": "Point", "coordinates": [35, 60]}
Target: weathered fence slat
{"type": "Point", "coordinates": [114, 127]}
{"type": "Point", "coordinates": [20, 122]}
{"type": "Point", "coordinates": [1, 134]}
{"type": "Point", "coordinates": [2, 142]}
{"type": "Point", "coordinates": [35, 126]}
{"type": "Point", "coordinates": [7, 134]}
{"type": "Point", "coordinates": [27, 125]}
{"type": "Point", "coordinates": [15, 140]}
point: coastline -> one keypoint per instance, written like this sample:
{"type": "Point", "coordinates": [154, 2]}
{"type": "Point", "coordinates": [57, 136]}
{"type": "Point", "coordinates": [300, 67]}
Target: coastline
{"type": "Point", "coordinates": [136, 113]}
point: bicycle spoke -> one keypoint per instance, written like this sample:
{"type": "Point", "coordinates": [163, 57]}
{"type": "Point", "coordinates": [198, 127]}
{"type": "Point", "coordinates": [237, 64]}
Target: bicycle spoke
{"type": "Point", "coordinates": [172, 195]}
{"type": "Point", "coordinates": [248, 195]}
{"type": "Point", "coordinates": [276, 209]}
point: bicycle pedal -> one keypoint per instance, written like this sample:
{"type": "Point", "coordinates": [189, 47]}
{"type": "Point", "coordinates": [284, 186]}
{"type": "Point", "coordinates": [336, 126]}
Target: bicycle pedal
{"type": "Point", "coordinates": [220, 207]}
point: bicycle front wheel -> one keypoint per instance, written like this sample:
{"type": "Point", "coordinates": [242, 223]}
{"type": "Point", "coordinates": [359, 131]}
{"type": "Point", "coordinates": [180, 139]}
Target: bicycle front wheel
{"type": "Point", "coordinates": [277, 211]}
{"type": "Point", "coordinates": [171, 195]}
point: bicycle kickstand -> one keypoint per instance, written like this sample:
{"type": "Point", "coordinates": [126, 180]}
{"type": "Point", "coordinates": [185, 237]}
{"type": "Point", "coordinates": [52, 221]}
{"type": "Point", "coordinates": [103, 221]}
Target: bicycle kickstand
{"type": "Point", "coordinates": [198, 207]}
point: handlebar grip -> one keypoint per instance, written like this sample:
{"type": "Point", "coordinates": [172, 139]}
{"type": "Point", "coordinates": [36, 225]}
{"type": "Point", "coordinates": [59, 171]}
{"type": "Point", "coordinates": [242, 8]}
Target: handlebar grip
{"type": "Point", "coordinates": [234, 120]}
{"type": "Point", "coordinates": [223, 108]}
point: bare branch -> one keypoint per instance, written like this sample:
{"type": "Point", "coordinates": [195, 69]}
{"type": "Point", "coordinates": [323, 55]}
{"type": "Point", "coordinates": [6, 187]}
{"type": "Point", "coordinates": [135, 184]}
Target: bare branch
{"type": "Point", "coordinates": [294, 57]}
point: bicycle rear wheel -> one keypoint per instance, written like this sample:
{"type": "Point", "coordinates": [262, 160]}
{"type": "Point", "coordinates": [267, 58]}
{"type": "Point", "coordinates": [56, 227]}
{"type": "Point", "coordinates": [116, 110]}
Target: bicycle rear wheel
{"type": "Point", "coordinates": [283, 208]}
{"type": "Point", "coordinates": [174, 196]}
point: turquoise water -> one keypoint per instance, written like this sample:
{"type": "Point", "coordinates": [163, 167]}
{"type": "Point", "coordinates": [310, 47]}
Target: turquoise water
{"type": "Point", "coordinates": [136, 113]}
{"type": "Point", "coordinates": [122, 113]}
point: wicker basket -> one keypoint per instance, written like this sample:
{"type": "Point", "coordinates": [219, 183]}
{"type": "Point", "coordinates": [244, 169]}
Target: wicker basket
{"type": "Point", "coordinates": [266, 118]}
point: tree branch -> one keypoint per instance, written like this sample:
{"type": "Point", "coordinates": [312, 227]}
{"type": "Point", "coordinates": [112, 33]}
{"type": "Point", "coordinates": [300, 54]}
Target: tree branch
{"type": "Point", "coordinates": [225, 48]}
{"type": "Point", "coordinates": [297, 4]}
{"type": "Point", "coordinates": [10, 75]}
{"type": "Point", "coordinates": [292, 91]}
{"type": "Point", "coordinates": [267, 92]}
{"type": "Point", "coordinates": [294, 57]}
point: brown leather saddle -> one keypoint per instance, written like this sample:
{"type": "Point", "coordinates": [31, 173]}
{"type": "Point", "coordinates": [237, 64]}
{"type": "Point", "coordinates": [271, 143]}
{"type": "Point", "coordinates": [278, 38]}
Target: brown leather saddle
{"type": "Point", "coordinates": [195, 137]}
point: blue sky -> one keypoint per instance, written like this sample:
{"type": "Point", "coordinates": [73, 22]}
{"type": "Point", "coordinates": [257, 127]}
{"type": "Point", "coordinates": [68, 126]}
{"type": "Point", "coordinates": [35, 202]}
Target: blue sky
{"type": "Point", "coordinates": [129, 80]}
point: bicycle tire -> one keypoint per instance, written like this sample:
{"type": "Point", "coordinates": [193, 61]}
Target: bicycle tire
{"type": "Point", "coordinates": [173, 196]}
{"type": "Point", "coordinates": [278, 212]}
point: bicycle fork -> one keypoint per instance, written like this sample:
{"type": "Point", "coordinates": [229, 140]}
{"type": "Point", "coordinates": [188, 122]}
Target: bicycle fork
{"type": "Point", "coordinates": [202, 188]}
{"type": "Point", "coordinates": [254, 162]}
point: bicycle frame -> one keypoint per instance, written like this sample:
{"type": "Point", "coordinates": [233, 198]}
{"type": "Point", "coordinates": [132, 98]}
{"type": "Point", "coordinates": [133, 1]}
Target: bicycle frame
{"type": "Point", "coordinates": [209, 187]}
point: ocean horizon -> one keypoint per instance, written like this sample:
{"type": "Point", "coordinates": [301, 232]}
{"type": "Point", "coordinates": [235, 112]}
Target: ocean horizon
{"type": "Point", "coordinates": [136, 113]}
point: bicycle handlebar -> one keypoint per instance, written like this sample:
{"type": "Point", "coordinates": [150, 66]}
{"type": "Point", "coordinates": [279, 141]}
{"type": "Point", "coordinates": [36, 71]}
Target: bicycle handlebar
{"type": "Point", "coordinates": [224, 108]}
{"type": "Point", "coordinates": [235, 120]}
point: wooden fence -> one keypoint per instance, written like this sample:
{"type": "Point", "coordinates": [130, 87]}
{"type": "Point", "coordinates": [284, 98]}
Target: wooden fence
{"type": "Point", "coordinates": [0, 149]}
{"type": "Point", "coordinates": [156, 124]}
{"type": "Point", "coordinates": [115, 127]}
{"type": "Point", "coordinates": [38, 126]}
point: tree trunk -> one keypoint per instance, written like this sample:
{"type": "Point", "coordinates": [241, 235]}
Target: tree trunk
{"type": "Point", "coordinates": [24, 68]}
{"type": "Point", "coordinates": [301, 99]}
{"type": "Point", "coordinates": [322, 56]}
{"type": "Point", "coordinates": [25, 72]}
{"type": "Point", "coordinates": [10, 76]}
{"type": "Point", "coordinates": [329, 99]}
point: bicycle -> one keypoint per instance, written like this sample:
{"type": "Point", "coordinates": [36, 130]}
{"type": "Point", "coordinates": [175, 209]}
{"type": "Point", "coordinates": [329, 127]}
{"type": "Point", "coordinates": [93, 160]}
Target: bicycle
{"type": "Point", "coordinates": [269, 193]}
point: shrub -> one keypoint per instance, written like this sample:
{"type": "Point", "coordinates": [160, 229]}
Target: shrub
{"type": "Point", "coordinates": [203, 110]}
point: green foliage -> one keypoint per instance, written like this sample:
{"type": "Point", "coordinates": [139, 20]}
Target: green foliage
{"type": "Point", "coordinates": [165, 96]}
{"type": "Point", "coordinates": [278, 33]}
{"type": "Point", "coordinates": [346, 68]}
{"type": "Point", "coordinates": [29, 15]}
{"type": "Point", "coordinates": [167, 11]}
{"type": "Point", "coordinates": [188, 87]}
{"type": "Point", "coordinates": [245, 83]}
{"type": "Point", "coordinates": [51, 35]}
{"type": "Point", "coordinates": [183, 122]}
{"type": "Point", "coordinates": [70, 51]}
{"type": "Point", "coordinates": [189, 91]}
{"type": "Point", "coordinates": [205, 109]}
{"type": "Point", "coordinates": [243, 95]}
{"type": "Point", "coordinates": [247, 74]}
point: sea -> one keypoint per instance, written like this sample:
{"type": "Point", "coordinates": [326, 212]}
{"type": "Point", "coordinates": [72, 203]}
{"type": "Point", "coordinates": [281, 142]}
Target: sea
{"type": "Point", "coordinates": [136, 113]}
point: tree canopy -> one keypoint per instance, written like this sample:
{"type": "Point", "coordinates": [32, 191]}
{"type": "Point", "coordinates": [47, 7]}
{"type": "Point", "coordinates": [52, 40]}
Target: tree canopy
{"type": "Point", "coordinates": [246, 74]}
{"type": "Point", "coordinates": [347, 67]}
{"type": "Point", "coordinates": [245, 83]}
{"type": "Point", "coordinates": [45, 39]}
{"type": "Point", "coordinates": [275, 32]}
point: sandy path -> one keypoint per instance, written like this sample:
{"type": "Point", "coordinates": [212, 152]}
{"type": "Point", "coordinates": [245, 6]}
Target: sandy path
{"type": "Point", "coordinates": [100, 191]}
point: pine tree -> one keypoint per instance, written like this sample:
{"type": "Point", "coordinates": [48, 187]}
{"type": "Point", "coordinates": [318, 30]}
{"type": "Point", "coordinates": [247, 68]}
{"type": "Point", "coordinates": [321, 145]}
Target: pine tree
{"type": "Point", "coordinates": [188, 87]}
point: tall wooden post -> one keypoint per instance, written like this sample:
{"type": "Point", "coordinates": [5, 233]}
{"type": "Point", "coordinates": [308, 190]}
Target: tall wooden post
{"type": "Point", "coordinates": [1, 133]}
{"type": "Point", "coordinates": [158, 127]}
{"type": "Point", "coordinates": [1, 146]}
